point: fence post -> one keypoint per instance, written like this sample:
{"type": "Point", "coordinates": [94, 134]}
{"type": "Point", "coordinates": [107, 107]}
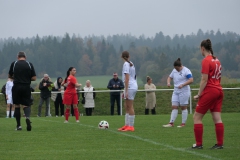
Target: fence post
{"type": "Point", "coordinates": [190, 101]}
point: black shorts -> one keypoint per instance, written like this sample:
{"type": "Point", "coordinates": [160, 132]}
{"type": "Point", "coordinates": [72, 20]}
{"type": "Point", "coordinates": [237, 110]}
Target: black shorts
{"type": "Point", "coordinates": [21, 94]}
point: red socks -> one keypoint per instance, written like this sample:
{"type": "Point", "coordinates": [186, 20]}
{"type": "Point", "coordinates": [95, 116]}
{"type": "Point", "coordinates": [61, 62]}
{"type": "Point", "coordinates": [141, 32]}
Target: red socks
{"type": "Point", "coordinates": [67, 113]}
{"type": "Point", "coordinates": [76, 113]}
{"type": "Point", "coordinates": [219, 129]}
{"type": "Point", "coordinates": [198, 131]}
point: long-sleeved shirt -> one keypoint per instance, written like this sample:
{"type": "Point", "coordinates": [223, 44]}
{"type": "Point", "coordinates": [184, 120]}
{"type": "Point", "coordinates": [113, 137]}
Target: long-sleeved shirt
{"type": "Point", "coordinates": [118, 85]}
{"type": "Point", "coordinates": [9, 86]}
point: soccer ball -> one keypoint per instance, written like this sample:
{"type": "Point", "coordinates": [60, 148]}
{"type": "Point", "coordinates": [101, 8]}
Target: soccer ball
{"type": "Point", "coordinates": [103, 125]}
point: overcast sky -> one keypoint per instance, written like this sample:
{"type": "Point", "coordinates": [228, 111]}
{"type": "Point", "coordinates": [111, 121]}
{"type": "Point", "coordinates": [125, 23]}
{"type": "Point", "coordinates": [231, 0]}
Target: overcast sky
{"type": "Point", "coordinates": [27, 18]}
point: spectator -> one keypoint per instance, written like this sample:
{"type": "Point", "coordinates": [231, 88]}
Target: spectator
{"type": "Point", "coordinates": [150, 96]}
{"type": "Point", "coordinates": [3, 91]}
{"type": "Point", "coordinates": [115, 84]}
{"type": "Point", "coordinates": [89, 98]}
{"type": "Point", "coordinates": [57, 97]}
{"type": "Point", "coordinates": [8, 92]}
{"type": "Point", "coordinates": [45, 86]}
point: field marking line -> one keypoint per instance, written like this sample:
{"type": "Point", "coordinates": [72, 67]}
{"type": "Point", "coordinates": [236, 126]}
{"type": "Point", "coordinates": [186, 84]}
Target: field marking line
{"type": "Point", "coordinates": [144, 140]}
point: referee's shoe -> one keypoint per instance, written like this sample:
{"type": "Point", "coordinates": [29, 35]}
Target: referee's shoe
{"type": "Point", "coordinates": [29, 127]}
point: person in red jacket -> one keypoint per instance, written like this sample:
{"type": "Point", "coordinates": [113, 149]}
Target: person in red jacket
{"type": "Point", "coordinates": [210, 96]}
{"type": "Point", "coordinates": [70, 94]}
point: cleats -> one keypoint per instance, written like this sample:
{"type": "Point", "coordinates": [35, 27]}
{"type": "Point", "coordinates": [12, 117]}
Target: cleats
{"type": "Point", "coordinates": [128, 128]}
{"type": "Point", "coordinates": [168, 125]}
{"type": "Point", "coordinates": [19, 128]}
{"type": "Point", "coordinates": [77, 121]}
{"type": "Point", "coordinates": [197, 147]}
{"type": "Point", "coordinates": [217, 147]}
{"type": "Point", "coordinates": [182, 125]}
{"type": "Point", "coordinates": [65, 121]}
{"type": "Point", "coordinates": [29, 127]}
{"type": "Point", "coordinates": [122, 128]}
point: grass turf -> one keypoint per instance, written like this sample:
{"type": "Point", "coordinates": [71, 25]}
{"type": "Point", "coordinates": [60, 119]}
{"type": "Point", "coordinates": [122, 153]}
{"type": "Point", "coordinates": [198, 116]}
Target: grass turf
{"type": "Point", "coordinates": [50, 138]}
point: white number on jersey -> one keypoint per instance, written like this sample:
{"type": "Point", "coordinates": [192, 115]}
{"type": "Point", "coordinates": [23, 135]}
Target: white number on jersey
{"type": "Point", "coordinates": [217, 73]}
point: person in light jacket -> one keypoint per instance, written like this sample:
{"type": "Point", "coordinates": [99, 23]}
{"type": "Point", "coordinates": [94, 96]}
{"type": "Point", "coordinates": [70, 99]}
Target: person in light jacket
{"type": "Point", "coordinates": [150, 96]}
{"type": "Point", "coordinates": [89, 98]}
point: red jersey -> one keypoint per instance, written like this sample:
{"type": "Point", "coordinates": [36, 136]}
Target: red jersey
{"type": "Point", "coordinates": [213, 68]}
{"type": "Point", "coordinates": [71, 88]}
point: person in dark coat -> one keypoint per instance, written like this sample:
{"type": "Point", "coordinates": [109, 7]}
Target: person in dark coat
{"type": "Point", "coordinates": [57, 97]}
{"type": "Point", "coordinates": [45, 87]}
{"type": "Point", "coordinates": [115, 84]}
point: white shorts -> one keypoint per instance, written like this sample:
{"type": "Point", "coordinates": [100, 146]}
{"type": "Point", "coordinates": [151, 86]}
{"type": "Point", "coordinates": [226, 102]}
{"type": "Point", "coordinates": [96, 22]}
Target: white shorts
{"type": "Point", "coordinates": [131, 94]}
{"type": "Point", "coordinates": [180, 98]}
{"type": "Point", "coordinates": [9, 100]}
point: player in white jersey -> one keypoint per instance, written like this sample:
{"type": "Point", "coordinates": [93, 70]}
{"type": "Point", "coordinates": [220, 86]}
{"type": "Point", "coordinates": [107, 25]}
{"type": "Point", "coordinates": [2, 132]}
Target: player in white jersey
{"type": "Point", "coordinates": [9, 86]}
{"type": "Point", "coordinates": [130, 83]}
{"type": "Point", "coordinates": [181, 77]}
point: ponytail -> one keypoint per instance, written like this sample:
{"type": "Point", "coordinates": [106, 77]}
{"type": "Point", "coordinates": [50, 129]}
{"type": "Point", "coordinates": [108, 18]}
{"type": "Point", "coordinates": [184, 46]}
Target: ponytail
{"type": "Point", "coordinates": [68, 73]}
{"type": "Point", "coordinates": [125, 56]}
{"type": "Point", "coordinates": [207, 44]}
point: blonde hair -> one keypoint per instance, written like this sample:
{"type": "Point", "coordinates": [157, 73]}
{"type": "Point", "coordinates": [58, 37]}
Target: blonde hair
{"type": "Point", "coordinates": [88, 81]}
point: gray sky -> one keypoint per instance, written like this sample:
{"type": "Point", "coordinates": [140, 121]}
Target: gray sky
{"type": "Point", "coordinates": [27, 18]}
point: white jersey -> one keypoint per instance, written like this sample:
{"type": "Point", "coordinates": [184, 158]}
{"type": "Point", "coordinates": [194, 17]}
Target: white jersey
{"type": "Point", "coordinates": [127, 69]}
{"type": "Point", "coordinates": [180, 78]}
{"type": "Point", "coordinates": [9, 86]}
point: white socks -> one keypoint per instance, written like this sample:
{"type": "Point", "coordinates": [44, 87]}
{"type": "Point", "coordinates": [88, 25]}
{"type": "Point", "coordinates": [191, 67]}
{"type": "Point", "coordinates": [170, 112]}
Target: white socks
{"type": "Point", "coordinates": [126, 119]}
{"type": "Point", "coordinates": [131, 120]}
{"type": "Point", "coordinates": [7, 112]}
{"type": "Point", "coordinates": [184, 115]}
{"type": "Point", "coordinates": [174, 115]}
{"type": "Point", "coordinates": [12, 113]}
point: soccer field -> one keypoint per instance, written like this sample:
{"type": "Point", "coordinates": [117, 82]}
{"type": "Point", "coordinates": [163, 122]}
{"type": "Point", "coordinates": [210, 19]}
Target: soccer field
{"type": "Point", "coordinates": [50, 138]}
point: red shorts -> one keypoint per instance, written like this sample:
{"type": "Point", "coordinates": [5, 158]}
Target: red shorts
{"type": "Point", "coordinates": [70, 98]}
{"type": "Point", "coordinates": [211, 98]}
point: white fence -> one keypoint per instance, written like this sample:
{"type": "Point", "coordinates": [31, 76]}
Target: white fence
{"type": "Point", "coordinates": [156, 90]}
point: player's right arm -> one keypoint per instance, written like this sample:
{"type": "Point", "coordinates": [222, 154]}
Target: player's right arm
{"type": "Point", "coordinates": [33, 73]}
{"type": "Point", "coordinates": [169, 81]}
{"type": "Point", "coordinates": [10, 73]}
{"type": "Point", "coordinates": [126, 82]}
{"type": "Point", "coordinates": [109, 85]}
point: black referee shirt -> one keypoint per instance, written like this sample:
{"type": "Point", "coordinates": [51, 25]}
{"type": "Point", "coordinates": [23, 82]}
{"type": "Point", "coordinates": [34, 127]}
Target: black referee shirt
{"type": "Point", "coordinates": [22, 71]}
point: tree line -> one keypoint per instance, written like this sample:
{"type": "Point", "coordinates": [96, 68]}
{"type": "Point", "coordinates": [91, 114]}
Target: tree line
{"type": "Point", "coordinates": [99, 55]}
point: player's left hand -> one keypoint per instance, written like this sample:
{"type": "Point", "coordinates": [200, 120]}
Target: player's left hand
{"type": "Point", "coordinates": [180, 86]}
{"type": "Point", "coordinates": [196, 97]}
{"type": "Point", "coordinates": [126, 95]}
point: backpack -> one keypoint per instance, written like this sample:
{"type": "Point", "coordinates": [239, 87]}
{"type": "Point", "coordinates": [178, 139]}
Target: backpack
{"type": "Point", "coordinates": [3, 90]}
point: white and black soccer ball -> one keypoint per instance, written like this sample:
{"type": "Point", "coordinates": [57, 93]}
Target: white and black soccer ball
{"type": "Point", "coordinates": [103, 125]}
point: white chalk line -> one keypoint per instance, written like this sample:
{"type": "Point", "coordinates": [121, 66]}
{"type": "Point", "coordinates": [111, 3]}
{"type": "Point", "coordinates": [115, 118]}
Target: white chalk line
{"type": "Point", "coordinates": [143, 139]}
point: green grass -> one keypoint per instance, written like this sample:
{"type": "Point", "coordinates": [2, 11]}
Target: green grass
{"type": "Point", "coordinates": [50, 138]}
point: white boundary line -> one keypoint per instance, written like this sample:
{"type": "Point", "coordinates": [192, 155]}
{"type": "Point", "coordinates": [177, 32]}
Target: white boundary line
{"type": "Point", "coordinates": [142, 139]}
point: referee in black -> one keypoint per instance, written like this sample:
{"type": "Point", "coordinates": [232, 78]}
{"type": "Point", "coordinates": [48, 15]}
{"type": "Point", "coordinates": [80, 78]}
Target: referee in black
{"type": "Point", "coordinates": [23, 73]}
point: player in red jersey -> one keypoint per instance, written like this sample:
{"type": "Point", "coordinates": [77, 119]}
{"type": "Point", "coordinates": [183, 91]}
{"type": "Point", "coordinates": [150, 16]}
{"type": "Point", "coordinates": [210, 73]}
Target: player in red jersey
{"type": "Point", "coordinates": [70, 94]}
{"type": "Point", "coordinates": [210, 96]}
